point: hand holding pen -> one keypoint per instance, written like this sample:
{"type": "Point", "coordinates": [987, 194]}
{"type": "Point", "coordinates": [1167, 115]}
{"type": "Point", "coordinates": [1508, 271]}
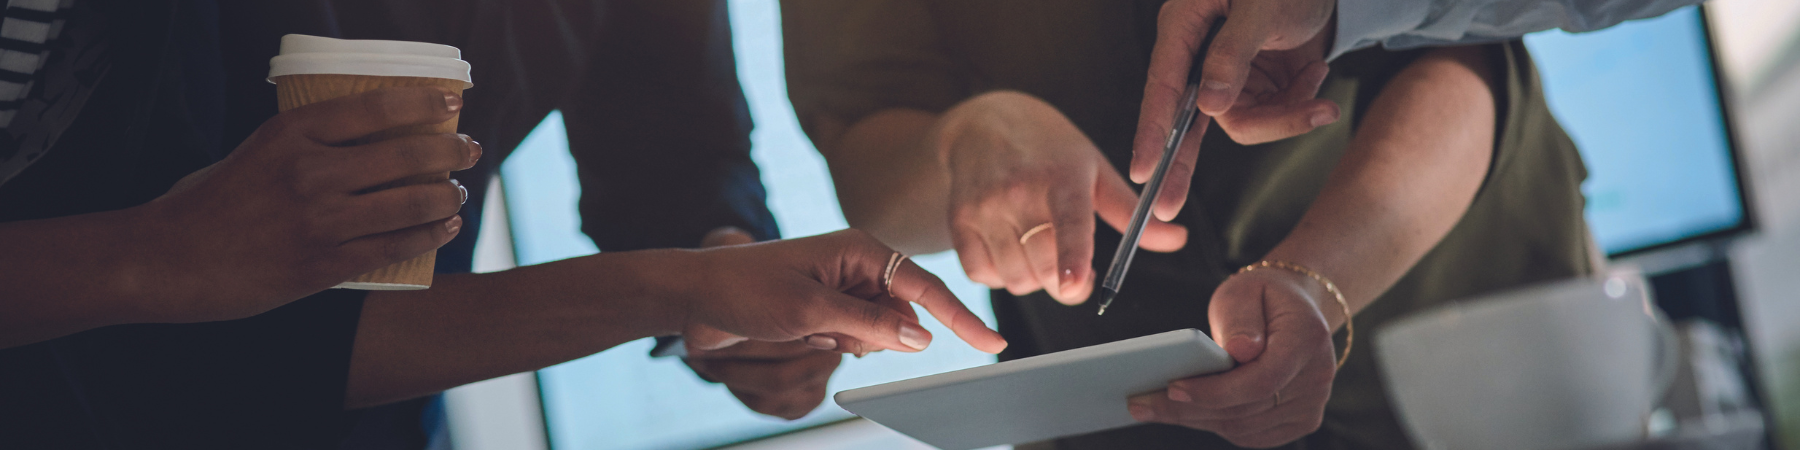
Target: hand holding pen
{"type": "Point", "coordinates": [1187, 117]}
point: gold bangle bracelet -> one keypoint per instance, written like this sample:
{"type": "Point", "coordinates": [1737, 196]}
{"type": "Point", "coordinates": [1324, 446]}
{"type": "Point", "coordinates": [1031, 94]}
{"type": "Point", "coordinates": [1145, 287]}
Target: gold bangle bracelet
{"type": "Point", "coordinates": [1349, 328]}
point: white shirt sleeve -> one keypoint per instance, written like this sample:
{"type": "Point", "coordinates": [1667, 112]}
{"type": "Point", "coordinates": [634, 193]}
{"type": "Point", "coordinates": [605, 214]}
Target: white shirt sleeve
{"type": "Point", "coordinates": [1402, 24]}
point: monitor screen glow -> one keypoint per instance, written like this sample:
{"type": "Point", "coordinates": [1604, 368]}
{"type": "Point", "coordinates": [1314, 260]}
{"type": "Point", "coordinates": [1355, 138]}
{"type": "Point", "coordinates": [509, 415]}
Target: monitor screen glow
{"type": "Point", "coordinates": [1641, 102]}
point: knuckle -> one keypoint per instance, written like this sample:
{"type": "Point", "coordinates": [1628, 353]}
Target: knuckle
{"type": "Point", "coordinates": [385, 104]}
{"type": "Point", "coordinates": [395, 249]}
{"type": "Point", "coordinates": [1261, 387]}
{"type": "Point", "coordinates": [412, 154]}
{"type": "Point", "coordinates": [431, 203]}
{"type": "Point", "coordinates": [872, 314]}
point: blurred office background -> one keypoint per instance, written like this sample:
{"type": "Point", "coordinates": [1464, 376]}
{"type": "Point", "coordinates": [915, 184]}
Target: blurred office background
{"type": "Point", "coordinates": [623, 399]}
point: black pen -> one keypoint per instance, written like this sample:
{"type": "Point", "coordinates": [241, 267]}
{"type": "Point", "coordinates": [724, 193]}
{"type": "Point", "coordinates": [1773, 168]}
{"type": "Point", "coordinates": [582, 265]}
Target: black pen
{"type": "Point", "coordinates": [1185, 116]}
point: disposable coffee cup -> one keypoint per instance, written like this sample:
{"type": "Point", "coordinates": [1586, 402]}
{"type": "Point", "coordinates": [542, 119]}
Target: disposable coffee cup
{"type": "Point", "coordinates": [312, 69]}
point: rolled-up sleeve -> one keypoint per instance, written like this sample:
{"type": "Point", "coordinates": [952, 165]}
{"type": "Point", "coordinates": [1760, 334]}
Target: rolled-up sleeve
{"type": "Point", "coordinates": [1402, 24]}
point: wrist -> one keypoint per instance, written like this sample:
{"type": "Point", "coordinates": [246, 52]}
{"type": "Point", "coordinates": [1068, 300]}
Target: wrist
{"type": "Point", "coordinates": [139, 272]}
{"type": "Point", "coordinates": [669, 293]}
{"type": "Point", "coordinates": [1314, 287]}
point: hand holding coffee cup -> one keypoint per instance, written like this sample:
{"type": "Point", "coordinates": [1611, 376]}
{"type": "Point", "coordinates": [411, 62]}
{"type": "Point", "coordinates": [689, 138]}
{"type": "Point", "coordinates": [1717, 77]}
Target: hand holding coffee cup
{"type": "Point", "coordinates": [286, 214]}
{"type": "Point", "coordinates": [313, 69]}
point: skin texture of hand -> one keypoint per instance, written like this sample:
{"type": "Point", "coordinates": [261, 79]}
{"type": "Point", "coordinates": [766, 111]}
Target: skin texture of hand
{"type": "Point", "coordinates": [307, 196]}
{"type": "Point", "coordinates": [828, 285]}
{"type": "Point", "coordinates": [1261, 77]}
{"type": "Point", "coordinates": [1296, 359]}
{"type": "Point", "coordinates": [781, 379]}
{"type": "Point", "coordinates": [287, 214]}
{"type": "Point", "coordinates": [1016, 162]}
{"type": "Point", "coordinates": [471, 327]}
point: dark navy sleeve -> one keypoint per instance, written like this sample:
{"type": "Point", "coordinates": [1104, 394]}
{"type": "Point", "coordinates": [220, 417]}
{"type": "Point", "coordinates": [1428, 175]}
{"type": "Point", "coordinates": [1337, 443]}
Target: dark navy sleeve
{"type": "Point", "coordinates": [660, 130]}
{"type": "Point", "coordinates": [276, 380]}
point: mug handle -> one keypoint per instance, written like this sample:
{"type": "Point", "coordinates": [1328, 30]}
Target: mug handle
{"type": "Point", "coordinates": [1669, 361]}
{"type": "Point", "coordinates": [1667, 341]}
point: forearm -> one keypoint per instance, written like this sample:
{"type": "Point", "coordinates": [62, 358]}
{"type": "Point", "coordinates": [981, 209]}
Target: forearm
{"type": "Point", "coordinates": [1409, 175]}
{"type": "Point", "coordinates": [891, 179]}
{"type": "Point", "coordinates": [66, 275]}
{"type": "Point", "coordinates": [472, 327]}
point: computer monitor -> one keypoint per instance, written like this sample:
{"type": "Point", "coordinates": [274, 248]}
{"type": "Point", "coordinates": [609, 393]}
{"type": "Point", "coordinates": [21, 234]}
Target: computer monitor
{"type": "Point", "coordinates": [1645, 104]}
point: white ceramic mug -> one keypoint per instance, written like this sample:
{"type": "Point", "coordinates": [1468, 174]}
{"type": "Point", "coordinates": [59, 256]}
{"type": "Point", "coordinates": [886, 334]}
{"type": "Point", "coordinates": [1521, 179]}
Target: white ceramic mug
{"type": "Point", "coordinates": [1572, 364]}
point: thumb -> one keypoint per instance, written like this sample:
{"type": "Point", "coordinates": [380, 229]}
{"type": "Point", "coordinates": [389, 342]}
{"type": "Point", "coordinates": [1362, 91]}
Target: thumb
{"type": "Point", "coordinates": [1238, 322]}
{"type": "Point", "coordinates": [702, 338]}
{"type": "Point", "coordinates": [1227, 64]}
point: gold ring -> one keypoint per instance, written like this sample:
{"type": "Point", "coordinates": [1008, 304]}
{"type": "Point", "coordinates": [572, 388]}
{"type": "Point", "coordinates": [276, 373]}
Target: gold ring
{"type": "Point", "coordinates": [887, 275]}
{"type": "Point", "coordinates": [1033, 232]}
{"type": "Point", "coordinates": [1277, 398]}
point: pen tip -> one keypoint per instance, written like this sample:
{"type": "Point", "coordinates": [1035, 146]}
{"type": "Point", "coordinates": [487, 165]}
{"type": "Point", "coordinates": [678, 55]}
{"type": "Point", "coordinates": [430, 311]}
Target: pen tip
{"type": "Point", "coordinates": [1106, 299]}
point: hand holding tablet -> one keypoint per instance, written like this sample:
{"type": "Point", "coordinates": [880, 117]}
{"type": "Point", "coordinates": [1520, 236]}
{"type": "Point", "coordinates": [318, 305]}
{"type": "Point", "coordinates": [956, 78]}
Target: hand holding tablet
{"type": "Point", "coordinates": [1042, 397]}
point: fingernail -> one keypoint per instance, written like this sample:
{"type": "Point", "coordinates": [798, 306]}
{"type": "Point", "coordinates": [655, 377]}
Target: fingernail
{"type": "Point", "coordinates": [452, 102]}
{"type": "Point", "coordinates": [1141, 413]}
{"type": "Point", "coordinates": [1180, 396]}
{"type": "Point", "coordinates": [1322, 119]}
{"type": "Point", "coordinates": [453, 225]}
{"type": "Point", "coordinates": [914, 337]}
{"type": "Point", "coordinates": [821, 342]}
{"type": "Point", "coordinates": [475, 149]}
{"type": "Point", "coordinates": [1066, 280]}
{"type": "Point", "coordinates": [1213, 93]}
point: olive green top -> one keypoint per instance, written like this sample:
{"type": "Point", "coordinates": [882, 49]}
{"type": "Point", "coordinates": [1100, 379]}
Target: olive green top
{"type": "Point", "coordinates": [847, 59]}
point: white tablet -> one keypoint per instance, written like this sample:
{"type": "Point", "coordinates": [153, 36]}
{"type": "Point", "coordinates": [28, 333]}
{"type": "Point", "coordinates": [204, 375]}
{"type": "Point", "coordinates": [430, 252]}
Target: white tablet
{"type": "Point", "coordinates": [1042, 397]}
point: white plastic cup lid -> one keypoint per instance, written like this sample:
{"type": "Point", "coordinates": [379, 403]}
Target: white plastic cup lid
{"type": "Point", "coordinates": [308, 55]}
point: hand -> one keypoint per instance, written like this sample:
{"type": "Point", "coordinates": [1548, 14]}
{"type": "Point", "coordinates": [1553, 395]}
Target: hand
{"type": "Point", "coordinates": [1016, 162]}
{"type": "Point", "coordinates": [781, 379]}
{"type": "Point", "coordinates": [289, 212]}
{"type": "Point", "coordinates": [1269, 321]}
{"type": "Point", "coordinates": [826, 289]}
{"type": "Point", "coordinates": [1273, 50]}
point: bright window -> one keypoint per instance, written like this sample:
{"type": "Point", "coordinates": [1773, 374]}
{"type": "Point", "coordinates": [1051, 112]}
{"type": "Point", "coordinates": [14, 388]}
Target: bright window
{"type": "Point", "coordinates": [622, 398]}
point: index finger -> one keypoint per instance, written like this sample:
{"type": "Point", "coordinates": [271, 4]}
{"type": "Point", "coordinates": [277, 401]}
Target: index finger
{"type": "Point", "coordinates": [1072, 212]}
{"type": "Point", "coordinates": [912, 283]}
{"type": "Point", "coordinates": [352, 117]}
